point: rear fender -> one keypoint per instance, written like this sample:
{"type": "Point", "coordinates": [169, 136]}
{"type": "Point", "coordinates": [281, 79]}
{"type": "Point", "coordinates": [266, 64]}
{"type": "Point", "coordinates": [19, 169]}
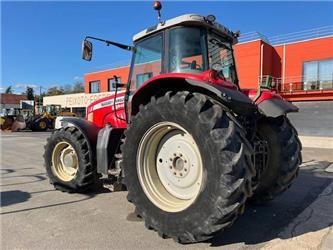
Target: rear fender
{"type": "Point", "coordinates": [276, 107]}
{"type": "Point", "coordinates": [273, 105]}
{"type": "Point", "coordinates": [233, 99]}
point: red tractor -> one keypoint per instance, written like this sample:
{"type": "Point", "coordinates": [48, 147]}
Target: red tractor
{"type": "Point", "coordinates": [189, 145]}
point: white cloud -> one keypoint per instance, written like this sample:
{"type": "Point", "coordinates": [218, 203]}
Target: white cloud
{"type": "Point", "coordinates": [78, 78]}
{"type": "Point", "coordinates": [24, 86]}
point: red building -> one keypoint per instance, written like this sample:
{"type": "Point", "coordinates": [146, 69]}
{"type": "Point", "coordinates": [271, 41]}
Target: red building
{"type": "Point", "coordinates": [300, 64]}
{"type": "Point", "coordinates": [102, 81]}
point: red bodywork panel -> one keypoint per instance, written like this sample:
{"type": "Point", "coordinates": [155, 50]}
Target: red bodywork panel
{"type": "Point", "coordinates": [208, 76]}
{"type": "Point", "coordinates": [103, 109]}
{"type": "Point", "coordinates": [265, 95]}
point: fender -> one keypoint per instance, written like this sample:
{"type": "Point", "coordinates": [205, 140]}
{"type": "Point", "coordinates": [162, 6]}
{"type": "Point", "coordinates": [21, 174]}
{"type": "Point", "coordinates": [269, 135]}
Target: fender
{"type": "Point", "coordinates": [87, 128]}
{"type": "Point", "coordinates": [235, 100]}
{"type": "Point", "coordinates": [276, 107]}
{"type": "Point", "coordinates": [273, 105]}
{"type": "Point", "coordinates": [99, 140]}
{"type": "Point", "coordinates": [222, 91]}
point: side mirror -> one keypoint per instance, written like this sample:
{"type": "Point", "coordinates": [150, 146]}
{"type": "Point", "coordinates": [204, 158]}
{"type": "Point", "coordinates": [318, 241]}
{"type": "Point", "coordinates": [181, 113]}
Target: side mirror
{"type": "Point", "coordinates": [87, 48]}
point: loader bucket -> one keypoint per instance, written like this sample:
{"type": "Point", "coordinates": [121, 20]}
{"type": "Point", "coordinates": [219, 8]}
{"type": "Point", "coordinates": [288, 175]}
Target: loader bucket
{"type": "Point", "coordinates": [7, 123]}
{"type": "Point", "coordinates": [18, 125]}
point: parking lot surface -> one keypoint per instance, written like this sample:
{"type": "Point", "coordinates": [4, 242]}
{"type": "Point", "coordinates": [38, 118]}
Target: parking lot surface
{"type": "Point", "coordinates": [35, 216]}
{"type": "Point", "coordinates": [314, 118]}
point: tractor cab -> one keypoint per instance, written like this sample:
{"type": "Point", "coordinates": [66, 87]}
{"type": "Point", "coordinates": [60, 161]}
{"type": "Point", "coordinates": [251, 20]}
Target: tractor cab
{"type": "Point", "coordinates": [188, 47]}
{"type": "Point", "coordinates": [186, 44]}
{"type": "Point", "coordinates": [189, 44]}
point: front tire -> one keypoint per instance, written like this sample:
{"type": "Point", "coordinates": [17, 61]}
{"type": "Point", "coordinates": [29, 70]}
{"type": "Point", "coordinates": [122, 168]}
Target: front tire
{"type": "Point", "coordinates": [284, 158]}
{"type": "Point", "coordinates": [181, 131]}
{"type": "Point", "coordinates": [40, 125]}
{"type": "Point", "coordinates": [69, 161]}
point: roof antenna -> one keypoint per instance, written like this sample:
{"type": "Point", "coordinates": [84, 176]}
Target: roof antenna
{"type": "Point", "coordinates": [158, 7]}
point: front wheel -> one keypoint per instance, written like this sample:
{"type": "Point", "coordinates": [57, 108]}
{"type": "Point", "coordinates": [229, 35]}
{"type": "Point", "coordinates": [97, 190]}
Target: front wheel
{"type": "Point", "coordinates": [40, 124]}
{"type": "Point", "coordinates": [187, 166]}
{"type": "Point", "coordinates": [69, 161]}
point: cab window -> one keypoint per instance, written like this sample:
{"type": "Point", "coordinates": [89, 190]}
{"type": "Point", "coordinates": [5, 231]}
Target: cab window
{"type": "Point", "coordinates": [147, 60]}
{"type": "Point", "coordinates": [187, 50]}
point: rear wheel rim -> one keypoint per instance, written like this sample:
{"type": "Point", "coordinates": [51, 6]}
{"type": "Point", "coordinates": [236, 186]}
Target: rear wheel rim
{"type": "Point", "coordinates": [64, 161]}
{"type": "Point", "coordinates": [169, 167]}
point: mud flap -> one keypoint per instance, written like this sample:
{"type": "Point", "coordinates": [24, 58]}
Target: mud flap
{"type": "Point", "coordinates": [276, 107]}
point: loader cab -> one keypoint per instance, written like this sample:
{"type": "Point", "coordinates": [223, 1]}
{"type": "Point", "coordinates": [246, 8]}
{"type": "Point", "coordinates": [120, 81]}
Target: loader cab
{"type": "Point", "coordinates": [186, 44]}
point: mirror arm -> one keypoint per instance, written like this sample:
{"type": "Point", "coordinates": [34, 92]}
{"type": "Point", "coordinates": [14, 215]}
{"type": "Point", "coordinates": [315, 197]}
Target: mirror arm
{"type": "Point", "coordinates": [119, 45]}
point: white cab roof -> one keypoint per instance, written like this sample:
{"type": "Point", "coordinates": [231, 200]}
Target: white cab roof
{"type": "Point", "coordinates": [184, 19]}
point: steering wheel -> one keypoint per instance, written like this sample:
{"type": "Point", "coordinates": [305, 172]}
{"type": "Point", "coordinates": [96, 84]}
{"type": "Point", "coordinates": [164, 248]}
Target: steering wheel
{"type": "Point", "coordinates": [192, 65]}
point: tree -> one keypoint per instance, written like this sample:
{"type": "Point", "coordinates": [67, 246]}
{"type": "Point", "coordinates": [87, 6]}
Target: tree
{"type": "Point", "coordinates": [30, 93]}
{"type": "Point", "coordinates": [78, 87]}
{"type": "Point", "coordinates": [68, 89]}
{"type": "Point", "coordinates": [55, 91]}
{"type": "Point", "coordinates": [9, 90]}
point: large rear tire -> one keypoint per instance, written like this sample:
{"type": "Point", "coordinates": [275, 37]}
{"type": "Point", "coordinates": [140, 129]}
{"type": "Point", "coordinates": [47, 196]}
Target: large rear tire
{"type": "Point", "coordinates": [187, 166]}
{"type": "Point", "coordinates": [69, 162]}
{"type": "Point", "coordinates": [283, 160]}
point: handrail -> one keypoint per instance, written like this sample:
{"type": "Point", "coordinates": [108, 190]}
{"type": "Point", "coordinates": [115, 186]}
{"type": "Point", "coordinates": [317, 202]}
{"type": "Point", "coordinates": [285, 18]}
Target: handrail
{"type": "Point", "coordinates": [302, 35]}
{"type": "Point", "coordinates": [251, 36]}
{"type": "Point", "coordinates": [323, 31]}
{"type": "Point", "coordinates": [297, 83]}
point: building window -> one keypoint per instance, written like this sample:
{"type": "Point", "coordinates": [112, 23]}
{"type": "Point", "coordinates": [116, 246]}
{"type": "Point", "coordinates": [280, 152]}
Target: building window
{"type": "Point", "coordinates": [141, 78]}
{"type": "Point", "coordinates": [111, 84]}
{"type": "Point", "coordinates": [95, 86]}
{"type": "Point", "coordinates": [318, 75]}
